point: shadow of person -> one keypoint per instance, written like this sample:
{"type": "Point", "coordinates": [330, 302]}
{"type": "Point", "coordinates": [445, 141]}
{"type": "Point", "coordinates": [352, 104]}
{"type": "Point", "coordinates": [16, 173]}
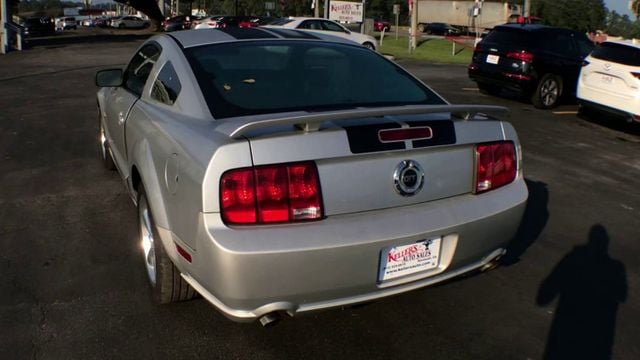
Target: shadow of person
{"type": "Point", "coordinates": [533, 222]}
{"type": "Point", "coordinates": [589, 285]}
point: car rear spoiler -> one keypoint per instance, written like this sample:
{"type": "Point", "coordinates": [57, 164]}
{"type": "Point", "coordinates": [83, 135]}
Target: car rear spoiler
{"type": "Point", "coordinates": [235, 128]}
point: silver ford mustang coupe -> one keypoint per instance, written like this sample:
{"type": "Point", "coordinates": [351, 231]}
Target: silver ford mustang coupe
{"type": "Point", "coordinates": [280, 172]}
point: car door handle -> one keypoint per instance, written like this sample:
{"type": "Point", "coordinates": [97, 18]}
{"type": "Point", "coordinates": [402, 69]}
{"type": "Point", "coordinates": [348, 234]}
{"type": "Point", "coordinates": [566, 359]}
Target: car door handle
{"type": "Point", "coordinates": [120, 118]}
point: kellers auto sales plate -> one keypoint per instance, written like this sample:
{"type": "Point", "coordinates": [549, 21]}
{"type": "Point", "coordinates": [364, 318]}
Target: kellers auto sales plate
{"type": "Point", "coordinates": [408, 259]}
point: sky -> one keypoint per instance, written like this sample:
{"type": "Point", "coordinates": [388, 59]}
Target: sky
{"type": "Point", "coordinates": [620, 6]}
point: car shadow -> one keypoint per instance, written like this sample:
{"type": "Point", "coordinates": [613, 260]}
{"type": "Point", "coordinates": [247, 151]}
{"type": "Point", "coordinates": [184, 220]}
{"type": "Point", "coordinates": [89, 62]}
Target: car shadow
{"type": "Point", "coordinates": [533, 222]}
{"type": "Point", "coordinates": [609, 121]}
{"type": "Point", "coordinates": [590, 286]}
{"type": "Point", "coordinates": [85, 39]}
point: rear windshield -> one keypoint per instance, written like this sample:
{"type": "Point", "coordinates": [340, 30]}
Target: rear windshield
{"type": "Point", "coordinates": [250, 78]}
{"type": "Point", "coordinates": [510, 38]}
{"type": "Point", "coordinates": [617, 53]}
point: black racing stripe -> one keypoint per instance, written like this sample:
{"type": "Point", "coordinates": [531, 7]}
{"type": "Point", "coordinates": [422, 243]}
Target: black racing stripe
{"type": "Point", "coordinates": [444, 133]}
{"type": "Point", "coordinates": [176, 40]}
{"type": "Point", "coordinates": [247, 33]}
{"type": "Point", "coordinates": [293, 34]}
{"type": "Point", "coordinates": [364, 138]}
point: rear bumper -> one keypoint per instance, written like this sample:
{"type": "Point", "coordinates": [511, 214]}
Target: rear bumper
{"type": "Point", "coordinates": [620, 105]}
{"type": "Point", "coordinates": [510, 82]}
{"type": "Point", "coordinates": [249, 272]}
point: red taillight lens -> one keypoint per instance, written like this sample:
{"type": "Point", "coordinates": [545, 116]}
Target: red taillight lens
{"type": "Point", "coordinates": [496, 165]}
{"type": "Point", "coordinates": [304, 192]}
{"type": "Point", "coordinates": [521, 55]}
{"type": "Point", "coordinates": [271, 194]}
{"type": "Point", "coordinates": [238, 197]}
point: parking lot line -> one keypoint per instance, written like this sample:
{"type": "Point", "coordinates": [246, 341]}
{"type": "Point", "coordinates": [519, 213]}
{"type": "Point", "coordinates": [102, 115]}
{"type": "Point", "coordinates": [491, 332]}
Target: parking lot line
{"type": "Point", "coordinates": [573, 112]}
{"type": "Point", "coordinates": [470, 89]}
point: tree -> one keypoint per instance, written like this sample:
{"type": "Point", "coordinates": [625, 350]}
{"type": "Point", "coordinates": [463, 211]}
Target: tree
{"type": "Point", "coordinates": [635, 7]}
{"type": "Point", "coordinates": [621, 25]}
{"type": "Point", "coordinates": [581, 15]}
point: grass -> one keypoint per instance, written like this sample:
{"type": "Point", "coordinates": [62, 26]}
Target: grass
{"type": "Point", "coordinates": [430, 50]}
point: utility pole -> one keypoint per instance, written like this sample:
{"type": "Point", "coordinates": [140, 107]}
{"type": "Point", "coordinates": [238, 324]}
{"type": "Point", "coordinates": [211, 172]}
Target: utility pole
{"type": "Point", "coordinates": [527, 8]}
{"type": "Point", "coordinates": [414, 25]}
{"type": "Point", "coordinates": [316, 8]}
{"type": "Point", "coordinates": [326, 9]}
{"type": "Point", "coordinates": [4, 18]}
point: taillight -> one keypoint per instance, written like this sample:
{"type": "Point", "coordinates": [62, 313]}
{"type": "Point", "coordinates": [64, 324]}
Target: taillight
{"type": "Point", "coordinates": [271, 194]}
{"type": "Point", "coordinates": [521, 56]}
{"type": "Point", "coordinates": [496, 165]}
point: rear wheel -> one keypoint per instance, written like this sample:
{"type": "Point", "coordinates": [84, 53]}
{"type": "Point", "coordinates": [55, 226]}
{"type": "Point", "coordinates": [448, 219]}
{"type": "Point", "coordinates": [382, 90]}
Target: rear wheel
{"type": "Point", "coordinates": [369, 46]}
{"type": "Point", "coordinates": [420, 28]}
{"type": "Point", "coordinates": [548, 92]}
{"type": "Point", "coordinates": [121, 26]}
{"type": "Point", "coordinates": [167, 285]}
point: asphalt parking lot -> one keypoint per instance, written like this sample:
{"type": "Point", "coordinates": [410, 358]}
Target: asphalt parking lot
{"type": "Point", "coordinates": [73, 282]}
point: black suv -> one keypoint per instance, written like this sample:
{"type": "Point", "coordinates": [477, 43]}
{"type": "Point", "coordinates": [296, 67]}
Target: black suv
{"type": "Point", "coordinates": [538, 61]}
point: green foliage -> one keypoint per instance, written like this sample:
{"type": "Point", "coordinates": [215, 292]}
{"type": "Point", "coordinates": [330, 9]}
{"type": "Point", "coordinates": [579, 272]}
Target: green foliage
{"type": "Point", "coordinates": [581, 15]}
{"type": "Point", "coordinates": [430, 50]}
{"type": "Point", "coordinates": [621, 25]}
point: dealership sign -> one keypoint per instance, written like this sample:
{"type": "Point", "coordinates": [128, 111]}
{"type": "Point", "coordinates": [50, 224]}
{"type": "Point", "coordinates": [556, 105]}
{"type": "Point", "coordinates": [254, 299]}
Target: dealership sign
{"type": "Point", "coordinates": [346, 11]}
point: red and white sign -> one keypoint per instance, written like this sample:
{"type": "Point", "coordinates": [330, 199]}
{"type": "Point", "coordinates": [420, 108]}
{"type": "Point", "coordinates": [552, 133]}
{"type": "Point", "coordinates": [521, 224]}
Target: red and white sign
{"type": "Point", "coordinates": [408, 259]}
{"type": "Point", "coordinates": [346, 11]}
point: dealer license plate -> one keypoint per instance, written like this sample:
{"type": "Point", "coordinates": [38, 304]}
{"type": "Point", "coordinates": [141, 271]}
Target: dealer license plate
{"type": "Point", "coordinates": [408, 259]}
{"type": "Point", "coordinates": [606, 79]}
{"type": "Point", "coordinates": [493, 59]}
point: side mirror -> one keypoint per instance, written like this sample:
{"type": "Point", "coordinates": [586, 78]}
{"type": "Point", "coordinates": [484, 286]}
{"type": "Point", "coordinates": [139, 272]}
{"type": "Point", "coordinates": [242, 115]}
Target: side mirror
{"type": "Point", "coordinates": [109, 78]}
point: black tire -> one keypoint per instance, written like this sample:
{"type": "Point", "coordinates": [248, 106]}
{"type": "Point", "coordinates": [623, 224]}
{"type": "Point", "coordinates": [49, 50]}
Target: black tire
{"type": "Point", "coordinates": [166, 284]}
{"type": "Point", "coordinates": [488, 89]}
{"type": "Point", "coordinates": [103, 147]}
{"type": "Point", "coordinates": [145, 25]}
{"type": "Point", "coordinates": [548, 92]}
{"type": "Point", "coordinates": [121, 26]}
{"type": "Point", "coordinates": [369, 46]}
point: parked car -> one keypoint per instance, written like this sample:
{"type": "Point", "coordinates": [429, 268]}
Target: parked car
{"type": "Point", "coordinates": [540, 62]}
{"type": "Point", "coordinates": [320, 25]}
{"type": "Point", "coordinates": [222, 22]}
{"type": "Point", "coordinates": [38, 26]}
{"type": "Point", "coordinates": [610, 79]}
{"type": "Point", "coordinates": [102, 21]}
{"type": "Point", "coordinates": [181, 22]}
{"type": "Point", "coordinates": [379, 25]}
{"type": "Point", "coordinates": [439, 29]}
{"type": "Point", "coordinates": [66, 23]}
{"type": "Point", "coordinates": [130, 22]}
{"type": "Point", "coordinates": [320, 176]}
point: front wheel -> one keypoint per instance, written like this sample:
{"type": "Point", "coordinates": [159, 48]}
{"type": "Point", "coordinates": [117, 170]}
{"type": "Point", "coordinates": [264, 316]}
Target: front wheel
{"type": "Point", "coordinates": [121, 26]}
{"type": "Point", "coordinates": [167, 285]}
{"type": "Point", "coordinates": [369, 46]}
{"type": "Point", "coordinates": [547, 93]}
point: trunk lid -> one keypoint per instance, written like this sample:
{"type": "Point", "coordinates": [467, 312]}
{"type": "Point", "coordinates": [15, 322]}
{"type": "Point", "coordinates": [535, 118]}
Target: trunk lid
{"type": "Point", "coordinates": [356, 170]}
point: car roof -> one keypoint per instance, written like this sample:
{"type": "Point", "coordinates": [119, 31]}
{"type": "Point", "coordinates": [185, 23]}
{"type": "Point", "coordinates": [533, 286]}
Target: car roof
{"type": "Point", "coordinates": [191, 38]}
{"type": "Point", "coordinates": [528, 27]}
{"type": "Point", "coordinates": [630, 43]}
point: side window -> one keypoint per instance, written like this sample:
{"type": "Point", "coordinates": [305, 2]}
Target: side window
{"type": "Point", "coordinates": [562, 44]}
{"type": "Point", "coordinates": [585, 46]}
{"type": "Point", "coordinates": [138, 70]}
{"type": "Point", "coordinates": [331, 26]}
{"type": "Point", "coordinates": [310, 24]}
{"type": "Point", "coordinates": [167, 86]}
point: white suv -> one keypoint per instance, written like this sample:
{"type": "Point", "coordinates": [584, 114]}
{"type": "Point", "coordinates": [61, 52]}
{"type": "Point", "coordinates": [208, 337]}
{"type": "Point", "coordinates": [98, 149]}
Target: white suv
{"type": "Point", "coordinates": [610, 79]}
